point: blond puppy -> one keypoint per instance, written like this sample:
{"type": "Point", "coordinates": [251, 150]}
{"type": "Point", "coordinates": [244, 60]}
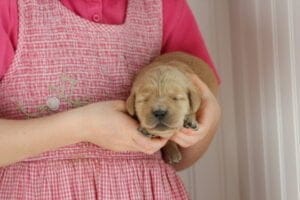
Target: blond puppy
{"type": "Point", "coordinates": [164, 99]}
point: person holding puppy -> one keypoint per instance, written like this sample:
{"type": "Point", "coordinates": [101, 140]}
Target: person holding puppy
{"type": "Point", "coordinates": [65, 71]}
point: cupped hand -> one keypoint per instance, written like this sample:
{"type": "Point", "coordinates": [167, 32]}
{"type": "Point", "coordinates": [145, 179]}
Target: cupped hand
{"type": "Point", "coordinates": [108, 125]}
{"type": "Point", "coordinates": [208, 117]}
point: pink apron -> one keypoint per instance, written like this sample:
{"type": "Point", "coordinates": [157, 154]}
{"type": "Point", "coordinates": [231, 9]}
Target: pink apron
{"type": "Point", "coordinates": [64, 61]}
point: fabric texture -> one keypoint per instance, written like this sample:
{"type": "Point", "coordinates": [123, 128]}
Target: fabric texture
{"type": "Point", "coordinates": [64, 61]}
{"type": "Point", "coordinates": [86, 172]}
{"type": "Point", "coordinates": [180, 30]}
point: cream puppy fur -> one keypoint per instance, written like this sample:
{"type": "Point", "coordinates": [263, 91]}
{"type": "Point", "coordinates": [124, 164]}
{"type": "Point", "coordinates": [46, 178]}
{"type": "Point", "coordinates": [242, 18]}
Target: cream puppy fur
{"type": "Point", "coordinates": [164, 99]}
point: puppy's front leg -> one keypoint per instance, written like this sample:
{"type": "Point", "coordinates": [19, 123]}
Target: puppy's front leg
{"type": "Point", "coordinates": [171, 153]}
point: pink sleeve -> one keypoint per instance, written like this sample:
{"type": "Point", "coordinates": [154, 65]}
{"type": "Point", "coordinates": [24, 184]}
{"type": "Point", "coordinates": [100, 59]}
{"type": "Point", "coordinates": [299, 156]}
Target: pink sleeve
{"type": "Point", "coordinates": [8, 33]}
{"type": "Point", "coordinates": [181, 32]}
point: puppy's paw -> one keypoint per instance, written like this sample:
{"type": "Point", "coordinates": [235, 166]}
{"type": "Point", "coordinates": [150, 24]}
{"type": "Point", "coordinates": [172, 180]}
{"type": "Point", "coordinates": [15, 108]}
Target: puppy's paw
{"type": "Point", "coordinates": [145, 132]}
{"type": "Point", "coordinates": [188, 123]}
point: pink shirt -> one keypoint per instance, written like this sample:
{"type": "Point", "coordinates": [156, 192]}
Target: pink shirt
{"type": "Point", "coordinates": [180, 30]}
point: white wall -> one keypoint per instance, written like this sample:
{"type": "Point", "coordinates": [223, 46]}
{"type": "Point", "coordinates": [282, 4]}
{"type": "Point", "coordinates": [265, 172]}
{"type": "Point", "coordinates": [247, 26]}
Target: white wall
{"type": "Point", "coordinates": [256, 154]}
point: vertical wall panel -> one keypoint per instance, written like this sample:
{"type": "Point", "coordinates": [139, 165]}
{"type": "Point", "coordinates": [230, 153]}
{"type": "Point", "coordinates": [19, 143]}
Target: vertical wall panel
{"type": "Point", "coordinates": [238, 76]}
{"type": "Point", "coordinates": [286, 68]}
{"type": "Point", "coordinates": [252, 100]}
{"type": "Point", "coordinates": [228, 142]}
{"type": "Point", "coordinates": [296, 25]}
{"type": "Point", "coordinates": [267, 51]}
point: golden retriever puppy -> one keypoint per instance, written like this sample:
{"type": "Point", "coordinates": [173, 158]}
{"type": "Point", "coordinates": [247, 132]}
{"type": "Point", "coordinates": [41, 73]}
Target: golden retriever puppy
{"type": "Point", "coordinates": [164, 99]}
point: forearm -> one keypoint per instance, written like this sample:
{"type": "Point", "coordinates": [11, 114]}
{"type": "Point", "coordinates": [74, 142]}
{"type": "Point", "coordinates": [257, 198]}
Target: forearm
{"type": "Point", "coordinates": [20, 139]}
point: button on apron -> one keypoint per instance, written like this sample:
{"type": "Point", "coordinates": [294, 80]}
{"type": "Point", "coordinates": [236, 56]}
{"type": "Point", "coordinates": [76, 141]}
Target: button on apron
{"type": "Point", "coordinates": [96, 18]}
{"type": "Point", "coordinates": [53, 103]}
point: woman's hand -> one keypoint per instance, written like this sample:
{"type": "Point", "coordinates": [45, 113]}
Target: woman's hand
{"type": "Point", "coordinates": [208, 117]}
{"type": "Point", "coordinates": [195, 143]}
{"type": "Point", "coordinates": [108, 125]}
{"type": "Point", "coordinates": [105, 124]}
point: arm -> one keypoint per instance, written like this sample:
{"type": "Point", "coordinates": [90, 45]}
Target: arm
{"type": "Point", "coordinates": [20, 139]}
{"type": "Point", "coordinates": [193, 144]}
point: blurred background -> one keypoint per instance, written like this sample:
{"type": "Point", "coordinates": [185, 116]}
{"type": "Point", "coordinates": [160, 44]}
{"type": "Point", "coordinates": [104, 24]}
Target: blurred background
{"type": "Point", "coordinates": [255, 45]}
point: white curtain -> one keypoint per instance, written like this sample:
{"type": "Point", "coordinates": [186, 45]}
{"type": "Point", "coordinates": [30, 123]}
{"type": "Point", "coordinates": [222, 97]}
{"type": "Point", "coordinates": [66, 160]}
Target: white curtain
{"type": "Point", "coordinates": [256, 154]}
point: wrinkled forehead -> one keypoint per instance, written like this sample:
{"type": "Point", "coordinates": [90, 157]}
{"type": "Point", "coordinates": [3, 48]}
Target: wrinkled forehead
{"type": "Point", "coordinates": [165, 83]}
{"type": "Point", "coordinates": [152, 89]}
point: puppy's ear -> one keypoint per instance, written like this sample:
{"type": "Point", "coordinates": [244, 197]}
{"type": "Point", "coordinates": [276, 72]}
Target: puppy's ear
{"type": "Point", "coordinates": [194, 98]}
{"type": "Point", "coordinates": [130, 103]}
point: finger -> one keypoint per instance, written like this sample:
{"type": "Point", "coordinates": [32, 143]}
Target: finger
{"type": "Point", "coordinates": [148, 145]}
{"type": "Point", "coordinates": [206, 92]}
{"type": "Point", "coordinates": [185, 140]}
{"type": "Point", "coordinates": [198, 134]}
{"type": "Point", "coordinates": [209, 114]}
{"type": "Point", "coordinates": [181, 141]}
{"type": "Point", "coordinates": [210, 111]}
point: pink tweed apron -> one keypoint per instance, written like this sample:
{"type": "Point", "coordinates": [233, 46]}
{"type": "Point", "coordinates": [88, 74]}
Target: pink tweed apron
{"type": "Point", "coordinates": [64, 61]}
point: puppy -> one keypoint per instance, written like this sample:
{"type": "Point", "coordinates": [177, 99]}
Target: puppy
{"type": "Point", "coordinates": [164, 99]}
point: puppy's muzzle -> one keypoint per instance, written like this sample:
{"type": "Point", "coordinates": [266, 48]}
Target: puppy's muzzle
{"type": "Point", "coordinates": [159, 114]}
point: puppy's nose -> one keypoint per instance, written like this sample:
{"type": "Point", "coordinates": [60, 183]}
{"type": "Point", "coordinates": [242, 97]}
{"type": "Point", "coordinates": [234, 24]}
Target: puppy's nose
{"type": "Point", "coordinates": [160, 114]}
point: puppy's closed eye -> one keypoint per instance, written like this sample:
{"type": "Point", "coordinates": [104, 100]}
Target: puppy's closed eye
{"type": "Point", "coordinates": [179, 98]}
{"type": "Point", "coordinates": [142, 100]}
{"type": "Point", "coordinates": [143, 97]}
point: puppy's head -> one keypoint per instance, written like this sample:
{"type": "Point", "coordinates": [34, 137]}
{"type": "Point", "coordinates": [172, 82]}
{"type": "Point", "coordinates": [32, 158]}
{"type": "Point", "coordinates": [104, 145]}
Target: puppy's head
{"type": "Point", "coordinates": [161, 98]}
